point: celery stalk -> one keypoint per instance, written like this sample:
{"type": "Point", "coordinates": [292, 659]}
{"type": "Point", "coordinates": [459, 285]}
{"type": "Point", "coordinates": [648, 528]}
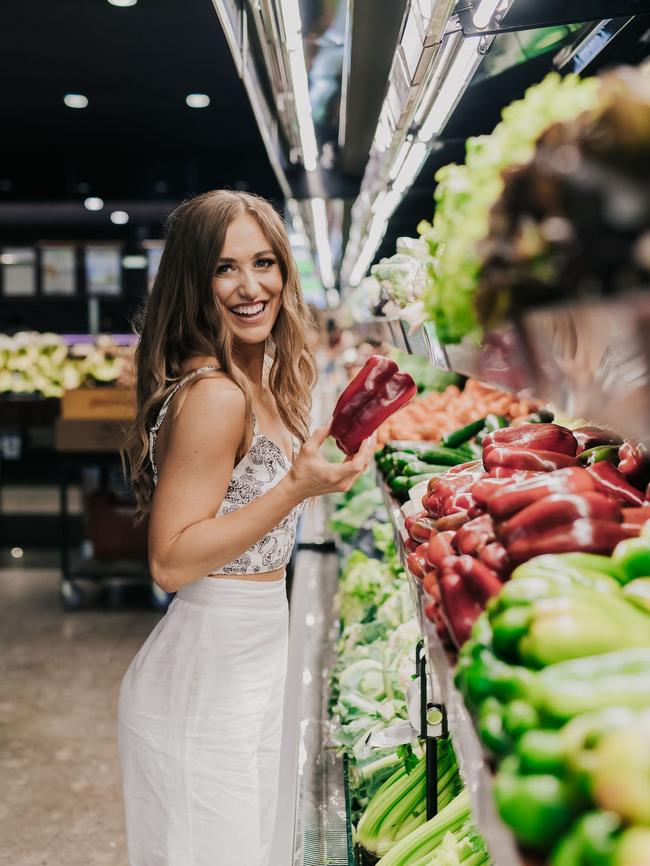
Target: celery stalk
{"type": "Point", "coordinates": [391, 793]}
{"type": "Point", "coordinates": [414, 849]}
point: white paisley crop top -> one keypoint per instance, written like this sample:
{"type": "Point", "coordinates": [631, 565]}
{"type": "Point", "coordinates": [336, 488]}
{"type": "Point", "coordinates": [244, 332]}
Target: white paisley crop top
{"type": "Point", "coordinates": [260, 469]}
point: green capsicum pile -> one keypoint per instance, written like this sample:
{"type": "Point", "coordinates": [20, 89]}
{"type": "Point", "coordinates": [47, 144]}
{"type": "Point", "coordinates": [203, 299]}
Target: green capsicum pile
{"type": "Point", "coordinates": [557, 675]}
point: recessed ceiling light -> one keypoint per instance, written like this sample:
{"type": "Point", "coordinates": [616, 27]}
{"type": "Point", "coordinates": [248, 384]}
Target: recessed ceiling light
{"type": "Point", "coordinates": [133, 263]}
{"type": "Point", "coordinates": [119, 217]}
{"type": "Point", "coordinates": [197, 100]}
{"type": "Point", "coordinates": [122, 2]}
{"type": "Point", "coordinates": [75, 100]}
{"type": "Point", "coordinates": [93, 203]}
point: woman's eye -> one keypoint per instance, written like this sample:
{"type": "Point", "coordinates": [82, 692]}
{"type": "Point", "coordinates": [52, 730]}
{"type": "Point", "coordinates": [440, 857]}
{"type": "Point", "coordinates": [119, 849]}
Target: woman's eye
{"type": "Point", "coordinates": [223, 269]}
{"type": "Point", "coordinates": [265, 263]}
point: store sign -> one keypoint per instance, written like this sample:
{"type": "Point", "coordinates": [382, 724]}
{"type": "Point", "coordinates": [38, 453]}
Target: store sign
{"type": "Point", "coordinates": [18, 271]}
{"type": "Point", "coordinates": [103, 270]}
{"type": "Point", "coordinates": [58, 270]}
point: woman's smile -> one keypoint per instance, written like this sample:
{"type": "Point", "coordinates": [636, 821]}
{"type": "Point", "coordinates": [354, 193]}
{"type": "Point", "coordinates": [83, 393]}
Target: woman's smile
{"type": "Point", "coordinates": [250, 313]}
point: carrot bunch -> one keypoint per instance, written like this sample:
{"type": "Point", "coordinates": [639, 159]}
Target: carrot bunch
{"type": "Point", "coordinates": [437, 414]}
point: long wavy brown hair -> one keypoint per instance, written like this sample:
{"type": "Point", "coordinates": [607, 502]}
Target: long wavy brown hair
{"type": "Point", "coordinates": [182, 317]}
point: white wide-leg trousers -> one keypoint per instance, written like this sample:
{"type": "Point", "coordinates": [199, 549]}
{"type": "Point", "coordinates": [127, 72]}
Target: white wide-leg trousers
{"type": "Point", "coordinates": [199, 727]}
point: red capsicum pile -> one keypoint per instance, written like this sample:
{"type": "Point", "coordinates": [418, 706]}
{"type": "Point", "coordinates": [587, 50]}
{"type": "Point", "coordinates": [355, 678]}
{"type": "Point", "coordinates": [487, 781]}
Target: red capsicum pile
{"type": "Point", "coordinates": [540, 489]}
{"type": "Point", "coordinates": [378, 390]}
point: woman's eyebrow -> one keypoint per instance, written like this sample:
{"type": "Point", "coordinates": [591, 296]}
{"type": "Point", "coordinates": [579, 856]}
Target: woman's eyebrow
{"type": "Point", "coordinates": [256, 256]}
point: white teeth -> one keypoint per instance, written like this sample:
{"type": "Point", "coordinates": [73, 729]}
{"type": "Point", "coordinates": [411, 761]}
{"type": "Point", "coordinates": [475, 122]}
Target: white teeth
{"type": "Point", "coordinates": [248, 309]}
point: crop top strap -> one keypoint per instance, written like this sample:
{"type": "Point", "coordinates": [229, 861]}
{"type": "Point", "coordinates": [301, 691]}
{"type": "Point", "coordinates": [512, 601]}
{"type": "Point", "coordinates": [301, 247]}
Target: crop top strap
{"type": "Point", "coordinates": [256, 426]}
{"type": "Point", "coordinates": [153, 433]}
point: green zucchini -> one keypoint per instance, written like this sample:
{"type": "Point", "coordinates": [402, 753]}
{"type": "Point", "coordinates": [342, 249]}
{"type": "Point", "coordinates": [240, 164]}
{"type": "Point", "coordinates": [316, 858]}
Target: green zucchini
{"type": "Point", "coordinates": [463, 434]}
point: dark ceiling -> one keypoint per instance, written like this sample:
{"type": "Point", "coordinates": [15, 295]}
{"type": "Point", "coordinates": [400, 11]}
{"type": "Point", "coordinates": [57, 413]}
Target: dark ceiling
{"type": "Point", "coordinates": [137, 140]}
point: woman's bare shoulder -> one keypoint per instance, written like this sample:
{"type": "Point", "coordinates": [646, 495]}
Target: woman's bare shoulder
{"type": "Point", "coordinates": [212, 398]}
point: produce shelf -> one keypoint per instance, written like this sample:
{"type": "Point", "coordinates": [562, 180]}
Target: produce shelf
{"type": "Point", "coordinates": [474, 769]}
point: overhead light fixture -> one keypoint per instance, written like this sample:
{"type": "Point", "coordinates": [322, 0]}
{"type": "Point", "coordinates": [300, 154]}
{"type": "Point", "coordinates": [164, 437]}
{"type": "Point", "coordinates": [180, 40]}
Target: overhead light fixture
{"type": "Point", "coordinates": [123, 3]}
{"type": "Point", "coordinates": [134, 263]}
{"type": "Point", "coordinates": [75, 100]}
{"type": "Point", "coordinates": [197, 100]}
{"type": "Point", "coordinates": [321, 233]}
{"type": "Point", "coordinates": [456, 79]}
{"type": "Point", "coordinates": [8, 259]}
{"type": "Point", "coordinates": [292, 26]}
{"type": "Point", "coordinates": [441, 64]}
{"type": "Point", "coordinates": [400, 158]}
{"type": "Point", "coordinates": [119, 217]}
{"type": "Point", "coordinates": [410, 167]}
{"type": "Point", "coordinates": [93, 203]}
{"type": "Point", "coordinates": [17, 552]}
{"type": "Point", "coordinates": [485, 13]}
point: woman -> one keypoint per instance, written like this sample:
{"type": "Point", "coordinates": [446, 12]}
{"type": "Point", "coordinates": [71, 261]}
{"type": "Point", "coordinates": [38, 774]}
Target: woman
{"type": "Point", "coordinates": [221, 458]}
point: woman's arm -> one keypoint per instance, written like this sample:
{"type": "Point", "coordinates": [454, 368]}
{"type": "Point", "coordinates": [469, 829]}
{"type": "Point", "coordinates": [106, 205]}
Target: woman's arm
{"type": "Point", "coordinates": [186, 540]}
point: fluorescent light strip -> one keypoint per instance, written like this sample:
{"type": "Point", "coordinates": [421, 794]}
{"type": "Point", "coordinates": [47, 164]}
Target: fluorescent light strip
{"type": "Point", "coordinates": [292, 26]}
{"type": "Point", "coordinates": [374, 237]}
{"type": "Point", "coordinates": [485, 13]}
{"type": "Point", "coordinates": [321, 232]}
{"type": "Point", "coordinates": [460, 72]}
{"type": "Point", "coordinates": [442, 62]}
{"type": "Point", "coordinates": [410, 167]}
{"type": "Point", "coordinates": [400, 157]}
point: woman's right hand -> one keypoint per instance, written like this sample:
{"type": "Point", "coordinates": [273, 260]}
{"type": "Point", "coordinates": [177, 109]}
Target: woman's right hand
{"type": "Point", "coordinates": [312, 475]}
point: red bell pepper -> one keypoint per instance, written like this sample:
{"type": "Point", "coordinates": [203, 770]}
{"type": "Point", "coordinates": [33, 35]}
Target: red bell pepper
{"type": "Point", "coordinates": [430, 584]}
{"type": "Point", "coordinates": [452, 521]}
{"type": "Point", "coordinates": [631, 530]}
{"type": "Point", "coordinates": [461, 608]}
{"type": "Point", "coordinates": [474, 535]}
{"type": "Point", "coordinates": [505, 472]}
{"type": "Point", "coordinates": [591, 437]}
{"type": "Point", "coordinates": [495, 556]}
{"type": "Point", "coordinates": [611, 481]}
{"type": "Point", "coordinates": [636, 515]}
{"type": "Point", "coordinates": [419, 526]}
{"type": "Point", "coordinates": [557, 510]}
{"type": "Point", "coordinates": [439, 548]}
{"type": "Point", "coordinates": [417, 563]}
{"type": "Point", "coordinates": [519, 494]}
{"type": "Point", "coordinates": [475, 468]}
{"type": "Point", "coordinates": [632, 457]}
{"type": "Point", "coordinates": [378, 390]}
{"type": "Point", "coordinates": [482, 582]}
{"type": "Point", "coordinates": [485, 488]}
{"type": "Point", "coordinates": [411, 546]}
{"type": "Point", "coordinates": [522, 459]}
{"type": "Point", "coordinates": [533, 437]}
{"type": "Point", "coordinates": [580, 536]}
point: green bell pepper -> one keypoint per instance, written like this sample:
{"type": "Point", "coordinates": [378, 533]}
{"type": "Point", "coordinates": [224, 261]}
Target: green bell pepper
{"type": "Point", "coordinates": [592, 841]}
{"type": "Point", "coordinates": [638, 592]}
{"type": "Point", "coordinates": [569, 622]}
{"type": "Point", "coordinates": [633, 558]}
{"type": "Point", "coordinates": [538, 807]}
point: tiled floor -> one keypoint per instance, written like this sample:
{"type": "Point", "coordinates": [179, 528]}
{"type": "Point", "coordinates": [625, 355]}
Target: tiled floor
{"type": "Point", "coordinates": [59, 680]}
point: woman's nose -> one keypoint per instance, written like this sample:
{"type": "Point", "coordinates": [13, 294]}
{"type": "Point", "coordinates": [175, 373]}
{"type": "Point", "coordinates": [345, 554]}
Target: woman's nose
{"type": "Point", "coordinates": [248, 284]}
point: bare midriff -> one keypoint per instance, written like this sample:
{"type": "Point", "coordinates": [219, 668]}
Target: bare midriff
{"type": "Point", "coordinates": [278, 574]}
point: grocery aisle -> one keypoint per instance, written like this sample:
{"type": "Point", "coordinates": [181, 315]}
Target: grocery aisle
{"type": "Point", "coordinates": [60, 673]}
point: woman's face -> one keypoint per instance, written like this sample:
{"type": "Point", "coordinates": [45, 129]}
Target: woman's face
{"type": "Point", "coordinates": [248, 281]}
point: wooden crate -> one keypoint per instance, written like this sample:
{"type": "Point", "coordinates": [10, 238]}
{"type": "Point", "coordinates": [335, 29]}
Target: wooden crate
{"type": "Point", "coordinates": [75, 435]}
{"type": "Point", "coordinates": [98, 404]}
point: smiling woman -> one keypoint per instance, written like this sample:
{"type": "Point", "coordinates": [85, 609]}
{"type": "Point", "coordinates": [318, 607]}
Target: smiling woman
{"type": "Point", "coordinates": [221, 458]}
